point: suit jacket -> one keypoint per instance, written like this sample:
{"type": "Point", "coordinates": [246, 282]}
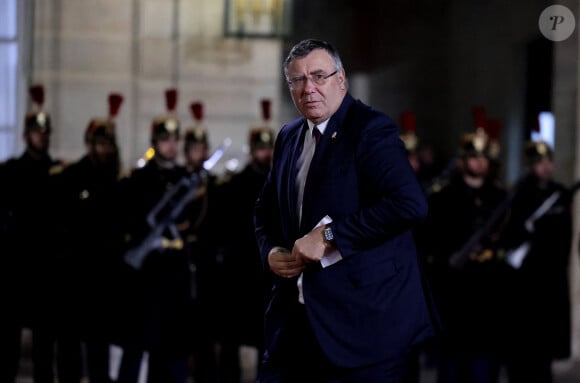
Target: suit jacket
{"type": "Point", "coordinates": [371, 305]}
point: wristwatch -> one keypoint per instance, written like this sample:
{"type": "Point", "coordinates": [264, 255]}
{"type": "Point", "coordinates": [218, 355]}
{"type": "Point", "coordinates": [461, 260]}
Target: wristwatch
{"type": "Point", "coordinates": [328, 234]}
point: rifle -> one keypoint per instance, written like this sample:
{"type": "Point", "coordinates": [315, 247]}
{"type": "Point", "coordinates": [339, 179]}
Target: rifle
{"type": "Point", "coordinates": [461, 257]}
{"type": "Point", "coordinates": [162, 216]}
{"type": "Point", "coordinates": [515, 257]}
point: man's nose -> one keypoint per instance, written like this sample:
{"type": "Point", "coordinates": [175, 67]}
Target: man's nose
{"type": "Point", "coordinates": [309, 85]}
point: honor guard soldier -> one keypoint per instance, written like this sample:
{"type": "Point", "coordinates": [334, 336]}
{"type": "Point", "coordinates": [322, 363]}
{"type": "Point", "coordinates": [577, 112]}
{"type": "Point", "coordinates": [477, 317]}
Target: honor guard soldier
{"type": "Point", "coordinates": [196, 143]}
{"type": "Point", "coordinates": [464, 272]}
{"type": "Point", "coordinates": [249, 286]}
{"type": "Point", "coordinates": [201, 230]}
{"type": "Point", "coordinates": [87, 192]}
{"type": "Point", "coordinates": [493, 130]}
{"type": "Point", "coordinates": [419, 152]}
{"type": "Point", "coordinates": [157, 284]}
{"type": "Point", "coordinates": [491, 127]}
{"type": "Point", "coordinates": [410, 139]}
{"type": "Point", "coordinates": [26, 228]}
{"type": "Point", "coordinates": [537, 241]}
{"type": "Point", "coordinates": [423, 170]}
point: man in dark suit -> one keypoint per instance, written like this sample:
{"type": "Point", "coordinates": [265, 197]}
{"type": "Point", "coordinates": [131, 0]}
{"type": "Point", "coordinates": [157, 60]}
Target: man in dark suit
{"type": "Point", "coordinates": [347, 301]}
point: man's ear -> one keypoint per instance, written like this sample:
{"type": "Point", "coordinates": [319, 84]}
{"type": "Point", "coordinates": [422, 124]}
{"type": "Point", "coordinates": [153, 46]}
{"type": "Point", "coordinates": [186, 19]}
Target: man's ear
{"type": "Point", "coordinates": [342, 79]}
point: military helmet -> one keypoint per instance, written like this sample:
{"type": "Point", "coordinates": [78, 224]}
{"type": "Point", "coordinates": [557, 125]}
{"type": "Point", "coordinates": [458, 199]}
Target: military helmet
{"type": "Point", "coordinates": [163, 127]}
{"type": "Point", "coordinates": [474, 144]}
{"type": "Point", "coordinates": [104, 128]}
{"type": "Point", "coordinates": [536, 151]}
{"type": "Point", "coordinates": [408, 135]}
{"type": "Point", "coordinates": [262, 136]}
{"type": "Point", "coordinates": [37, 120]}
{"type": "Point", "coordinates": [196, 134]}
{"type": "Point", "coordinates": [99, 128]}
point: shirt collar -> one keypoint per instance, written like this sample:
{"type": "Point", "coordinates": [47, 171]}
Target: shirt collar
{"type": "Point", "coordinates": [321, 126]}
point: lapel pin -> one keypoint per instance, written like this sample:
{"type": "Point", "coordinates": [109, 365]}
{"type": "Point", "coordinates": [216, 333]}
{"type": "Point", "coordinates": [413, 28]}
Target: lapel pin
{"type": "Point", "coordinates": [333, 137]}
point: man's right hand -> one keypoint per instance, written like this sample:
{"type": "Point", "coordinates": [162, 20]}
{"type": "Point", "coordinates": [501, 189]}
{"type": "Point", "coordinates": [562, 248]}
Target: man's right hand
{"type": "Point", "coordinates": [284, 264]}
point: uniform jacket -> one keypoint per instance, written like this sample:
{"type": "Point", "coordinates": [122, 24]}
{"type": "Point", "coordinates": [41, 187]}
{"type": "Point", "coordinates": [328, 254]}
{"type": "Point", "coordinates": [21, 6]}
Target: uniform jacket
{"type": "Point", "coordinates": [370, 305]}
{"type": "Point", "coordinates": [156, 297]}
{"type": "Point", "coordinates": [471, 298]}
{"type": "Point", "coordinates": [539, 315]}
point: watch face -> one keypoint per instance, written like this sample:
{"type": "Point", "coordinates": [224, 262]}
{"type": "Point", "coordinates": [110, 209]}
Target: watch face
{"type": "Point", "coordinates": [328, 234]}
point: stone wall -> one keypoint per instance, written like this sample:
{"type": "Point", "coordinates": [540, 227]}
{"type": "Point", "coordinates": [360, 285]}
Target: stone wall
{"type": "Point", "coordinates": [84, 49]}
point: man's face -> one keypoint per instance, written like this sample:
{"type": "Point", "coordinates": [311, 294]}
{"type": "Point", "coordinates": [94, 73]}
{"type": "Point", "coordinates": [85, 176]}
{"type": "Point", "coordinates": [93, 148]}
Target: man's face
{"type": "Point", "coordinates": [38, 140]}
{"type": "Point", "coordinates": [316, 102]}
{"type": "Point", "coordinates": [476, 166]}
{"type": "Point", "coordinates": [167, 148]}
{"type": "Point", "coordinates": [104, 150]}
{"type": "Point", "coordinates": [543, 169]}
{"type": "Point", "coordinates": [196, 155]}
{"type": "Point", "coordinates": [262, 156]}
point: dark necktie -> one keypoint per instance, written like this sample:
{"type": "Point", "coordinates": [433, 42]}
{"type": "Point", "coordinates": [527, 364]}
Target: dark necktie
{"type": "Point", "coordinates": [316, 134]}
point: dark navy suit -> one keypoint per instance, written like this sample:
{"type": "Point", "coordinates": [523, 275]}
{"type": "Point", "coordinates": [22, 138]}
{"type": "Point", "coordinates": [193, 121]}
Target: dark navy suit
{"type": "Point", "coordinates": [371, 305]}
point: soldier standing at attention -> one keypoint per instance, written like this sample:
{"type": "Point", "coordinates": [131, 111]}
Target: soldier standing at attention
{"type": "Point", "coordinates": [28, 273]}
{"type": "Point", "coordinates": [467, 289]}
{"type": "Point", "coordinates": [87, 194]}
{"type": "Point", "coordinates": [200, 232]}
{"type": "Point", "coordinates": [248, 284]}
{"type": "Point", "coordinates": [158, 291]}
{"type": "Point", "coordinates": [537, 240]}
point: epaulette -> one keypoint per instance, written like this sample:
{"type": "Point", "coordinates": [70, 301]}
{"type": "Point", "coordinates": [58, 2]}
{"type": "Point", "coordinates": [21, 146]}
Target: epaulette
{"type": "Point", "coordinates": [221, 180]}
{"type": "Point", "coordinates": [57, 168]}
{"type": "Point", "coordinates": [437, 186]}
{"type": "Point", "coordinates": [122, 175]}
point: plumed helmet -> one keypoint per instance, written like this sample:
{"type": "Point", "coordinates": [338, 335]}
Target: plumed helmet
{"type": "Point", "coordinates": [98, 129]}
{"type": "Point", "coordinates": [262, 136]}
{"type": "Point", "coordinates": [37, 120]}
{"type": "Point", "coordinates": [104, 128]}
{"type": "Point", "coordinates": [408, 135]}
{"type": "Point", "coordinates": [196, 133]}
{"type": "Point", "coordinates": [536, 151]}
{"type": "Point", "coordinates": [163, 127]}
{"type": "Point", "coordinates": [474, 144]}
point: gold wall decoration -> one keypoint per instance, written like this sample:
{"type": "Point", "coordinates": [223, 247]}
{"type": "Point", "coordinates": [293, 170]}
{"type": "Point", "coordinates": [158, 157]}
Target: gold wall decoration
{"type": "Point", "coordinates": [257, 18]}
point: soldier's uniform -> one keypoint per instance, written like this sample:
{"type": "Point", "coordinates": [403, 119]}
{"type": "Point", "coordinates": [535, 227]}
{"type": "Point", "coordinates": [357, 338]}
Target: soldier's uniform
{"type": "Point", "coordinates": [468, 293]}
{"type": "Point", "coordinates": [424, 170]}
{"type": "Point", "coordinates": [87, 194]}
{"type": "Point", "coordinates": [419, 152]}
{"type": "Point", "coordinates": [157, 294]}
{"type": "Point", "coordinates": [537, 241]}
{"type": "Point", "coordinates": [409, 138]}
{"type": "Point", "coordinates": [201, 229]}
{"type": "Point", "coordinates": [247, 282]}
{"type": "Point", "coordinates": [30, 249]}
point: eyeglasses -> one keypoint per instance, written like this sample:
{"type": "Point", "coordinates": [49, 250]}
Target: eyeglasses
{"type": "Point", "coordinates": [317, 78]}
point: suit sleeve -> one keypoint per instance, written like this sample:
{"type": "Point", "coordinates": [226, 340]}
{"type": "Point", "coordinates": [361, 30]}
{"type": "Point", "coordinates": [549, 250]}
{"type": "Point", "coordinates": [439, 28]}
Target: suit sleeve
{"type": "Point", "coordinates": [390, 198]}
{"type": "Point", "coordinates": [267, 220]}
